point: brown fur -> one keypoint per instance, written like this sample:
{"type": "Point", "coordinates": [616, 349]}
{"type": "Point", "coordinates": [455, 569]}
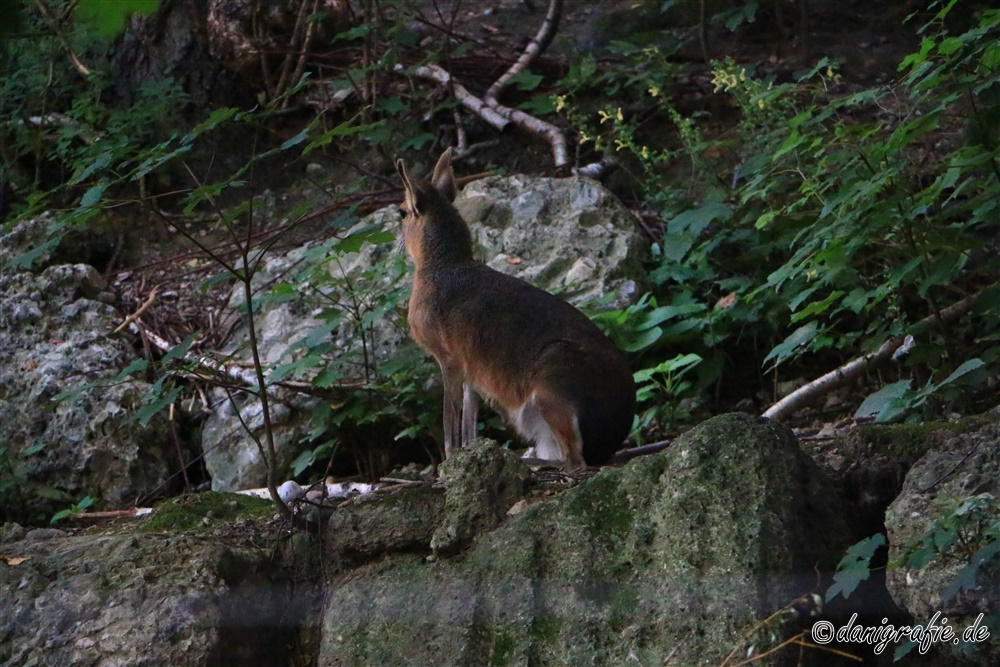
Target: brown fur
{"type": "Point", "coordinates": [540, 362]}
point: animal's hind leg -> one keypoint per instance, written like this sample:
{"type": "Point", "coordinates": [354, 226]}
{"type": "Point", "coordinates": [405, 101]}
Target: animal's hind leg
{"type": "Point", "coordinates": [561, 418]}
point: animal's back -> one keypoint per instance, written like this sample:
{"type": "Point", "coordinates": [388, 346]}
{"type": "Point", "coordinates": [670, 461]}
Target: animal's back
{"type": "Point", "coordinates": [511, 337]}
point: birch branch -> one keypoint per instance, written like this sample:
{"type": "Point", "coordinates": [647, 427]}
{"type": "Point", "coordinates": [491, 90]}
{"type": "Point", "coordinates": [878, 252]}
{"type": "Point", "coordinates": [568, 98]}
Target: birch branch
{"type": "Point", "coordinates": [531, 52]}
{"type": "Point", "coordinates": [547, 131]}
{"type": "Point", "coordinates": [497, 115]}
{"type": "Point", "coordinates": [462, 94]}
{"type": "Point", "coordinates": [856, 367]}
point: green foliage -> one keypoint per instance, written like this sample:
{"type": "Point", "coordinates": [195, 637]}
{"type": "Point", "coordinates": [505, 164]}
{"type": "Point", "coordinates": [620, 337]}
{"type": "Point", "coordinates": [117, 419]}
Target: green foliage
{"type": "Point", "coordinates": [854, 567]}
{"type": "Point", "coordinates": [57, 132]}
{"type": "Point", "coordinates": [960, 531]}
{"type": "Point", "coordinates": [73, 510]}
{"type": "Point", "coordinates": [838, 227]}
{"type": "Point", "coordinates": [896, 399]}
{"type": "Point", "coordinates": [659, 389]}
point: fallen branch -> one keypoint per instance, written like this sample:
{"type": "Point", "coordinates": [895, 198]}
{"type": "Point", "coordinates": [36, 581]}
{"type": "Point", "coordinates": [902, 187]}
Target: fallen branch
{"type": "Point", "coordinates": [531, 52]}
{"type": "Point", "coordinates": [623, 455]}
{"type": "Point", "coordinates": [497, 115]}
{"type": "Point", "coordinates": [111, 514]}
{"type": "Point", "coordinates": [137, 314]}
{"type": "Point", "coordinates": [856, 367]}
{"type": "Point", "coordinates": [468, 100]}
{"type": "Point", "coordinates": [214, 367]}
{"type": "Point", "coordinates": [291, 491]}
{"type": "Point", "coordinates": [597, 170]}
{"type": "Point", "coordinates": [242, 375]}
{"type": "Point", "coordinates": [548, 131]}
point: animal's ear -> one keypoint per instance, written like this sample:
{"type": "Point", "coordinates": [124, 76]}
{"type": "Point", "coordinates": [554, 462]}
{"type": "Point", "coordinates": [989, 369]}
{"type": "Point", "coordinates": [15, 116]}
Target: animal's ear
{"type": "Point", "coordinates": [410, 192]}
{"type": "Point", "coordinates": [444, 178]}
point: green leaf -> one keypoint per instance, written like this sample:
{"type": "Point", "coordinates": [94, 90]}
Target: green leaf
{"type": "Point", "coordinates": [180, 350]}
{"type": "Point", "coordinates": [301, 462]}
{"type": "Point", "coordinates": [526, 80]}
{"type": "Point", "coordinates": [417, 141]}
{"type": "Point", "coordinates": [684, 230]}
{"type": "Point", "coordinates": [640, 340]}
{"type": "Point", "coordinates": [801, 336]}
{"type": "Point", "coordinates": [52, 493]}
{"type": "Point", "coordinates": [344, 129]}
{"type": "Point", "coordinates": [886, 403]}
{"type": "Point", "coordinates": [100, 162]}
{"type": "Point", "coordinates": [31, 450]}
{"type": "Point", "coordinates": [964, 369]}
{"type": "Point", "coordinates": [356, 32]}
{"type": "Point", "coordinates": [327, 377]}
{"type": "Point", "coordinates": [854, 567]}
{"type": "Point", "coordinates": [93, 194]}
{"type": "Point", "coordinates": [950, 45]}
{"type": "Point", "coordinates": [137, 366]}
{"type": "Point", "coordinates": [216, 118]}
{"type": "Point", "coordinates": [965, 579]}
{"type": "Point", "coordinates": [161, 401]}
{"type": "Point", "coordinates": [294, 141]}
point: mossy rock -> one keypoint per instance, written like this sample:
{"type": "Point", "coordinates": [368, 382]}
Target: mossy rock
{"type": "Point", "coordinates": [676, 554]}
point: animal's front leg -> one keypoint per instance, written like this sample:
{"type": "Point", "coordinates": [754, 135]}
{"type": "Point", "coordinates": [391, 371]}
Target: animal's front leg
{"type": "Point", "coordinates": [470, 413]}
{"type": "Point", "coordinates": [453, 383]}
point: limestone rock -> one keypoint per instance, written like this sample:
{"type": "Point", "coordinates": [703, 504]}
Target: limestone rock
{"type": "Point", "coordinates": [144, 599]}
{"type": "Point", "coordinates": [670, 558]}
{"type": "Point", "coordinates": [483, 481]}
{"type": "Point", "coordinates": [63, 420]}
{"type": "Point", "coordinates": [568, 236]}
{"type": "Point", "coordinates": [961, 476]}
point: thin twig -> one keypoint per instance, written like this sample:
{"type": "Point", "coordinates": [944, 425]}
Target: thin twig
{"type": "Point", "coordinates": [46, 12]}
{"type": "Point", "coordinates": [137, 314]}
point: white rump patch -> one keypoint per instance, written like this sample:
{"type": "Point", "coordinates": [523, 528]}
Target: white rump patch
{"type": "Point", "coordinates": [530, 424]}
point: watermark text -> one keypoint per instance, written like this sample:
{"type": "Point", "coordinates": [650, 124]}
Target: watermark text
{"type": "Point", "coordinates": [936, 630]}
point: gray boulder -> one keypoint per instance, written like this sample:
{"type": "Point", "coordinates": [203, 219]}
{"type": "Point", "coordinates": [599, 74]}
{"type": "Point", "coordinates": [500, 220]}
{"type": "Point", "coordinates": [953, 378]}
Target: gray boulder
{"type": "Point", "coordinates": [145, 599]}
{"type": "Point", "coordinates": [671, 558]}
{"type": "Point", "coordinates": [64, 427]}
{"type": "Point", "coordinates": [951, 492]}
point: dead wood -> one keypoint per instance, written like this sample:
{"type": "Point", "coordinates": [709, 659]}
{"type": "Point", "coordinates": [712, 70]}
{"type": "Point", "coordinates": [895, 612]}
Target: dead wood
{"type": "Point", "coordinates": [491, 110]}
{"type": "Point", "coordinates": [856, 367]}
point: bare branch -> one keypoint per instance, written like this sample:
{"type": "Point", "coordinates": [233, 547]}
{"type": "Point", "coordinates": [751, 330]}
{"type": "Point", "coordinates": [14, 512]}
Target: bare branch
{"type": "Point", "coordinates": [53, 22]}
{"type": "Point", "coordinates": [137, 314]}
{"type": "Point", "coordinates": [498, 115]}
{"type": "Point", "coordinates": [531, 52]}
{"type": "Point", "coordinates": [468, 100]}
{"type": "Point", "coordinates": [856, 367]}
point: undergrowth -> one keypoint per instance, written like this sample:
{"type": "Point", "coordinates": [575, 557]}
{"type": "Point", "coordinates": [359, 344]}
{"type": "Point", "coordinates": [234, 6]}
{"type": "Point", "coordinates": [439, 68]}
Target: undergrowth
{"type": "Point", "coordinates": [821, 223]}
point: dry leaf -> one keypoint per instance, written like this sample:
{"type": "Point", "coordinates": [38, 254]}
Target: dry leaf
{"type": "Point", "coordinates": [726, 301]}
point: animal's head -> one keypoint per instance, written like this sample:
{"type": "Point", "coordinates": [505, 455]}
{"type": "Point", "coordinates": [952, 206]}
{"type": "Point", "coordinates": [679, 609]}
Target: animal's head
{"type": "Point", "coordinates": [433, 231]}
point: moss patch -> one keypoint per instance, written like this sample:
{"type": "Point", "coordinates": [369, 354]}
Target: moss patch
{"type": "Point", "coordinates": [199, 511]}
